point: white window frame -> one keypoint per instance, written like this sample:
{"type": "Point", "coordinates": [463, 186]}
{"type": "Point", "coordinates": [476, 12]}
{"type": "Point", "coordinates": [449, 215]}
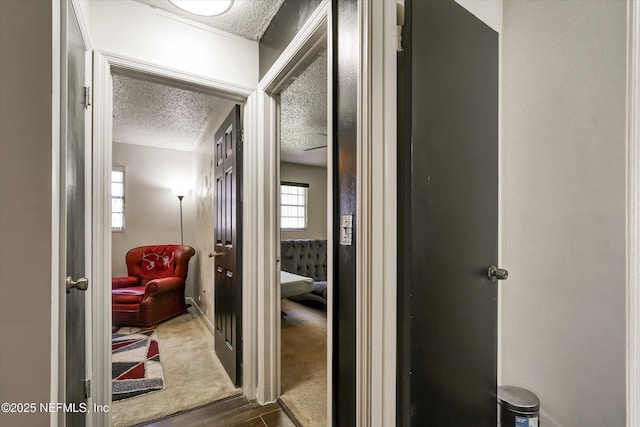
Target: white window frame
{"type": "Point", "coordinates": [305, 205]}
{"type": "Point", "coordinates": [122, 170]}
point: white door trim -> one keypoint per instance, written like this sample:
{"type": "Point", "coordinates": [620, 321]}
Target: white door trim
{"type": "Point", "coordinates": [633, 214]}
{"type": "Point", "coordinates": [104, 63]}
{"type": "Point", "coordinates": [82, 23]}
{"type": "Point", "coordinates": [295, 57]}
{"type": "Point", "coordinates": [101, 221]}
{"type": "Point", "coordinates": [250, 248]}
{"type": "Point", "coordinates": [376, 254]}
{"type": "Point", "coordinates": [364, 225]}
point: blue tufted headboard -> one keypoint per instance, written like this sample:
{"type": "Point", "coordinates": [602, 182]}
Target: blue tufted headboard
{"type": "Point", "coordinates": [306, 257]}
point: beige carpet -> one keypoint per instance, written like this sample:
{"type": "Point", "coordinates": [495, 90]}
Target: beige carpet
{"type": "Point", "coordinates": [304, 363]}
{"type": "Point", "coordinates": [193, 374]}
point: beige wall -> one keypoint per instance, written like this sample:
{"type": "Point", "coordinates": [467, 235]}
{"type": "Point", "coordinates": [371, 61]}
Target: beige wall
{"type": "Point", "coordinates": [316, 177]}
{"type": "Point", "coordinates": [152, 211]}
{"type": "Point", "coordinates": [25, 206]}
{"type": "Point", "coordinates": [563, 307]}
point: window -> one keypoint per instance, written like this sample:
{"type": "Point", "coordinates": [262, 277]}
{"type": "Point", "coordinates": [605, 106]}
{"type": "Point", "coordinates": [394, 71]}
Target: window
{"type": "Point", "coordinates": [293, 206]}
{"type": "Point", "coordinates": [117, 198]}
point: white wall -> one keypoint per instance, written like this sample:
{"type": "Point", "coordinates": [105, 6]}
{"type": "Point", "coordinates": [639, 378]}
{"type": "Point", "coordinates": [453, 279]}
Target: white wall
{"type": "Point", "coordinates": [563, 307]}
{"type": "Point", "coordinates": [25, 207]}
{"type": "Point", "coordinates": [316, 177]}
{"type": "Point", "coordinates": [140, 32]}
{"type": "Point", "coordinates": [152, 211]}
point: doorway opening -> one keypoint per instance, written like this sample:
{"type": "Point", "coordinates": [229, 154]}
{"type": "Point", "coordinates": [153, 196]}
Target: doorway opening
{"type": "Point", "coordinates": [162, 194]}
{"type": "Point", "coordinates": [303, 197]}
{"type": "Point", "coordinates": [308, 44]}
{"type": "Point", "coordinates": [154, 216]}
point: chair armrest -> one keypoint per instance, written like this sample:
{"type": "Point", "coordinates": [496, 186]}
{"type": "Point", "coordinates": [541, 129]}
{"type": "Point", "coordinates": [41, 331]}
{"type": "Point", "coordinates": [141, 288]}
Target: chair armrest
{"type": "Point", "coordinates": [124, 282]}
{"type": "Point", "coordinates": [163, 286]}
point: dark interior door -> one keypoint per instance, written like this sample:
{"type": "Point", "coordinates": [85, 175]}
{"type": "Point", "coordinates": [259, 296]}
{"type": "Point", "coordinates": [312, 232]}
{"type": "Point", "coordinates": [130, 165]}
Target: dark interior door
{"type": "Point", "coordinates": [228, 245]}
{"type": "Point", "coordinates": [449, 217]}
{"type": "Point", "coordinates": [74, 190]}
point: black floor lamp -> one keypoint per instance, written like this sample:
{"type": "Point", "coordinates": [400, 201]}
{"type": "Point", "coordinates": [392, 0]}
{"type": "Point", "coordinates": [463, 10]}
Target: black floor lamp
{"type": "Point", "coordinates": [181, 191]}
{"type": "Point", "coordinates": [181, 232]}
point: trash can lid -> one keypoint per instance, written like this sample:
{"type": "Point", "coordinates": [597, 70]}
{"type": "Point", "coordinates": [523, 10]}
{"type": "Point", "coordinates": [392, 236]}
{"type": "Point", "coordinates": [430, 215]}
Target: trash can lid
{"type": "Point", "coordinates": [518, 398]}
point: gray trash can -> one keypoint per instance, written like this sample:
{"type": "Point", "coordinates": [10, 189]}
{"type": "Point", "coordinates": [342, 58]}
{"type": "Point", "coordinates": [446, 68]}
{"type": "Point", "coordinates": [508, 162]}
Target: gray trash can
{"type": "Point", "coordinates": [517, 407]}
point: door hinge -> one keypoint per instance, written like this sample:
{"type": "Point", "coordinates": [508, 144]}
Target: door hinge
{"type": "Point", "coordinates": [240, 135]}
{"type": "Point", "coordinates": [87, 96]}
{"type": "Point", "coordinates": [87, 388]}
{"type": "Point", "coordinates": [399, 47]}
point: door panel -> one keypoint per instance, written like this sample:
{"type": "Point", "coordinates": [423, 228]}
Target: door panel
{"type": "Point", "coordinates": [449, 201]}
{"type": "Point", "coordinates": [345, 134]}
{"type": "Point", "coordinates": [228, 245]}
{"type": "Point", "coordinates": [74, 157]}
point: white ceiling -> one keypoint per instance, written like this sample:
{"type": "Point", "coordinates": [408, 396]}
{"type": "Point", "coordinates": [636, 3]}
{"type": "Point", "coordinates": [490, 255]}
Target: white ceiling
{"type": "Point", "coordinates": [246, 18]}
{"type": "Point", "coordinates": [161, 116]}
{"type": "Point", "coordinates": [303, 116]}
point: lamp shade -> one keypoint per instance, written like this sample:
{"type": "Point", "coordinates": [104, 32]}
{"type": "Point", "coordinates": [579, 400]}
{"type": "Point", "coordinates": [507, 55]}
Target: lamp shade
{"type": "Point", "coordinates": [204, 7]}
{"type": "Point", "coordinates": [181, 188]}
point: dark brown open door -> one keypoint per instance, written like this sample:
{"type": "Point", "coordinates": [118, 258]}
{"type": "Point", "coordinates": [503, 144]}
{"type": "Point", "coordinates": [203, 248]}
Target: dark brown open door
{"type": "Point", "coordinates": [228, 247]}
{"type": "Point", "coordinates": [73, 190]}
{"type": "Point", "coordinates": [449, 218]}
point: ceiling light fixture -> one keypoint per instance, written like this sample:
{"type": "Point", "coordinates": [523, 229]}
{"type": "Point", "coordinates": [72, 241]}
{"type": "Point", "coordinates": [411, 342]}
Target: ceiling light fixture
{"type": "Point", "coordinates": [204, 7]}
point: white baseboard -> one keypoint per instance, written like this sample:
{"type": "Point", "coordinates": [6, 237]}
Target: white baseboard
{"type": "Point", "coordinates": [212, 329]}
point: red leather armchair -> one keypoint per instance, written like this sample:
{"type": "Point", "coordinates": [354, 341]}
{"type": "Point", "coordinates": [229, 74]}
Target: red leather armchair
{"type": "Point", "coordinates": [153, 291]}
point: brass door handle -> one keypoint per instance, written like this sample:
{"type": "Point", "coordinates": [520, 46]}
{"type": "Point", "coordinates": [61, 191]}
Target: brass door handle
{"type": "Point", "coordinates": [211, 255]}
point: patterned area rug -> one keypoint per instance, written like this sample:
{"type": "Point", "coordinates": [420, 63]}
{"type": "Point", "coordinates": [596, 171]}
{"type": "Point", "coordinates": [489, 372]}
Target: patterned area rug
{"type": "Point", "coordinates": [135, 363]}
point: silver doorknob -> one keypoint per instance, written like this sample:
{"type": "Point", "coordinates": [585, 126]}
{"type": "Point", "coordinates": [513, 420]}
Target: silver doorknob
{"type": "Point", "coordinates": [211, 255]}
{"type": "Point", "coordinates": [496, 273]}
{"type": "Point", "coordinates": [81, 284]}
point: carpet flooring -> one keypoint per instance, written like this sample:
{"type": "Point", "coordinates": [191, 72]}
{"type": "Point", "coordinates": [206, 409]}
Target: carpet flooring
{"type": "Point", "coordinates": [304, 363]}
{"type": "Point", "coordinates": [193, 374]}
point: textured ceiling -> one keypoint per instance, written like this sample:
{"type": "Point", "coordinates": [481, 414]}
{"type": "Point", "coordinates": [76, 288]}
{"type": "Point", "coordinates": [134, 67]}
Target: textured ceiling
{"type": "Point", "coordinates": [161, 116]}
{"type": "Point", "coordinates": [303, 116]}
{"type": "Point", "coordinates": [246, 18]}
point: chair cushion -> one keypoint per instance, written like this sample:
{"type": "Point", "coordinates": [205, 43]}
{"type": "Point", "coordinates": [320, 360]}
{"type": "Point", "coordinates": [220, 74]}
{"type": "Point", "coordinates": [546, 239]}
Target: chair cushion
{"type": "Point", "coordinates": [131, 295]}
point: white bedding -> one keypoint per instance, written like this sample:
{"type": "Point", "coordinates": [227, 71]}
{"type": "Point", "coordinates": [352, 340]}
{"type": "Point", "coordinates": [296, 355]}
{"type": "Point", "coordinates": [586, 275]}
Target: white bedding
{"type": "Point", "coordinates": [292, 285]}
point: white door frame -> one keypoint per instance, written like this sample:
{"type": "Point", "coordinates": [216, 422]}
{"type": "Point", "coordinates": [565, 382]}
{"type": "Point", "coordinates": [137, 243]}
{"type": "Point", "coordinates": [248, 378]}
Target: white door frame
{"type": "Point", "coordinates": [103, 64]}
{"type": "Point", "coordinates": [376, 273]}
{"type": "Point", "coordinates": [297, 55]}
{"type": "Point", "coordinates": [633, 214]}
{"type": "Point", "coordinates": [376, 250]}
